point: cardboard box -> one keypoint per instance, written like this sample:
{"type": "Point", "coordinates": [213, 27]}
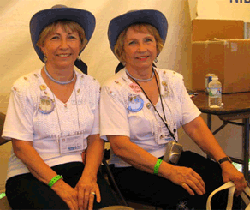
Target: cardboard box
{"type": "Point", "coordinates": [228, 59]}
{"type": "Point", "coordinates": [246, 30]}
{"type": "Point", "coordinates": [217, 29]}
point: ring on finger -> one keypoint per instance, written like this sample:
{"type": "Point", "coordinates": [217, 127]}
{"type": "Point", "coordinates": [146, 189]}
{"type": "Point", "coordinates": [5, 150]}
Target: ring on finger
{"type": "Point", "coordinates": [93, 193]}
{"type": "Point", "coordinates": [183, 184]}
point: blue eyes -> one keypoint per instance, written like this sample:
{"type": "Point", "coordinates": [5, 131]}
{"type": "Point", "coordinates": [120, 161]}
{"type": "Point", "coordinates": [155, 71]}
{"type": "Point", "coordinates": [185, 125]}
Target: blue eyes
{"type": "Point", "coordinates": [72, 37]}
{"type": "Point", "coordinates": [147, 40]}
{"type": "Point", "coordinates": [131, 43]}
{"type": "Point", "coordinates": [58, 37]}
{"type": "Point", "coordinates": [55, 37]}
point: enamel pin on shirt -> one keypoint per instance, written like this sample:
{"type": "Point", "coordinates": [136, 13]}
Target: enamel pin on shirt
{"type": "Point", "coordinates": [135, 103]}
{"type": "Point", "coordinates": [135, 87]}
{"type": "Point", "coordinates": [46, 105]}
{"type": "Point", "coordinates": [164, 83]}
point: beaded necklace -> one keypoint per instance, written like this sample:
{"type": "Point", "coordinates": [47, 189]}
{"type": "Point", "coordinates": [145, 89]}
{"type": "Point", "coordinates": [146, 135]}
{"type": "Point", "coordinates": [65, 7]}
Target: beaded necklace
{"type": "Point", "coordinates": [141, 80]}
{"type": "Point", "coordinates": [56, 81]}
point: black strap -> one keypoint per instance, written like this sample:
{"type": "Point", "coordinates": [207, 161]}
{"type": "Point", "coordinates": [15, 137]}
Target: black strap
{"type": "Point", "coordinates": [159, 92]}
{"type": "Point", "coordinates": [119, 67]}
{"type": "Point", "coordinates": [81, 65]}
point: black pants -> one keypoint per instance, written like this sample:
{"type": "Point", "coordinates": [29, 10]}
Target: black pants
{"type": "Point", "coordinates": [140, 186]}
{"type": "Point", "coordinates": [26, 192]}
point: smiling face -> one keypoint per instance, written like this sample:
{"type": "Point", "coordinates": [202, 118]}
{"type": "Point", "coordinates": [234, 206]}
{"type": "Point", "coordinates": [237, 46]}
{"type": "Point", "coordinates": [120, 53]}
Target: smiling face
{"type": "Point", "coordinates": [61, 47]}
{"type": "Point", "coordinates": [140, 49]}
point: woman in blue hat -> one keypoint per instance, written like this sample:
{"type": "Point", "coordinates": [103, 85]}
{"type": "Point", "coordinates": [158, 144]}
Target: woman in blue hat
{"type": "Point", "coordinates": [141, 108]}
{"type": "Point", "coordinates": [53, 119]}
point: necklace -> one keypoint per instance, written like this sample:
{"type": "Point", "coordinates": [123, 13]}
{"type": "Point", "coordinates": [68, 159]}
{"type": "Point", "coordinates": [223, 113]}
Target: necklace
{"type": "Point", "coordinates": [141, 80]}
{"type": "Point", "coordinates": [159, 93]}
{"type": "Point", "coordinates": [58, 82]}
{"type": "Point", "coordinates": [58, 119]}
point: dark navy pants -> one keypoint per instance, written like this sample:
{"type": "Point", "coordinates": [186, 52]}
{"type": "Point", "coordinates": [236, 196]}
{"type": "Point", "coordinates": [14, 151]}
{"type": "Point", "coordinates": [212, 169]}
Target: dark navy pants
{"type": "Point", "coordinates": [140, 186]}
{"type": "Point", "coordinates": [27, 192]}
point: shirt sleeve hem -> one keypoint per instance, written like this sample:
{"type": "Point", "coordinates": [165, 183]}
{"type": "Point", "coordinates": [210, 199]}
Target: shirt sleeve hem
{"type": "Point", "coordinates": [108, 132]}
{"type": "Point", "coordinates": [11, 135]}
{"type": "Point", "coordinates": [191, 118]}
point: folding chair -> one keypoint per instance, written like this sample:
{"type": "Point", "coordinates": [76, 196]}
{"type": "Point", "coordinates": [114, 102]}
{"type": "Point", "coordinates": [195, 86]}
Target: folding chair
{"type": "Point", "coordinates": [113, 184]}
{"type": "Point", "coordinates": [111, 178]}
{"type": "Point", "coordinates": [4, 204]}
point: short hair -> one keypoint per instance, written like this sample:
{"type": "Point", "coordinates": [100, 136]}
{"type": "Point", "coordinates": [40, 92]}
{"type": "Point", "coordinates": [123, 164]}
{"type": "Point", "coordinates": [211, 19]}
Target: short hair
{"type": "Point", "coordinates": [66, 25]}
{"type": "Point", "coordinates": [138, 27]}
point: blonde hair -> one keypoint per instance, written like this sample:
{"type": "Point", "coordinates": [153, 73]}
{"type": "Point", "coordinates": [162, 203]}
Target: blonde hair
{"type": "Point", "coordinates": [66, 26]}
{"type": "Point", "coordinates": [138, 27]}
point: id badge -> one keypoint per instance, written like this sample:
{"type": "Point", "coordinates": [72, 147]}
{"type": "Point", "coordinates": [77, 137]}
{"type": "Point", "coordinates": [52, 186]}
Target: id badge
{"type": "Point", "coordinates": [72, 143]}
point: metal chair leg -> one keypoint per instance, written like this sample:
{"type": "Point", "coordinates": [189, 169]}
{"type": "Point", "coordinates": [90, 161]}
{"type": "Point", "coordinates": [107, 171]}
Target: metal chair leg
{"type": "Point", "coordinates": [112, 180]}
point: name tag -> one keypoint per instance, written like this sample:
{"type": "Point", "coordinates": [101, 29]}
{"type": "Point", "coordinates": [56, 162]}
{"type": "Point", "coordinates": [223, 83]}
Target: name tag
{"type": "Point", "coordinates": [72, 143]}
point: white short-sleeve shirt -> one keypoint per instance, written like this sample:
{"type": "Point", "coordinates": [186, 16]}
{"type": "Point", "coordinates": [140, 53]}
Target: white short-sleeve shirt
{"type": "Point", "coordinates": [125, 110]}
{"type": "Point", "coordinates": [29, 118]}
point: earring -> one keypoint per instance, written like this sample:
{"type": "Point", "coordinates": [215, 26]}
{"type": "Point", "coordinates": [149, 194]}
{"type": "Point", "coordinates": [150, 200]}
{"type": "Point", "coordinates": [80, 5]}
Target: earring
{"type": "Point", "coordinates": [45, 59]}
{"type": "Point", "coordinates": [156, 60]}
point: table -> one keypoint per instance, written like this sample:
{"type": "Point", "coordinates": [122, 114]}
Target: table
{"type": "Point", "coordinates": [235, 106]}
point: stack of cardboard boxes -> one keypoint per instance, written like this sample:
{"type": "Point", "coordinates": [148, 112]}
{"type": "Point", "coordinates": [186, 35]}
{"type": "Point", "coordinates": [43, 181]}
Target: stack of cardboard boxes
{"type": "Point", "coordinates": [219, 48]}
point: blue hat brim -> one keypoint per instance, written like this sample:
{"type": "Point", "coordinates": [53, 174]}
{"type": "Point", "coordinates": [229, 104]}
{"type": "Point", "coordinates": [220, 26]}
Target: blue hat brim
{"type": "Point", "coordinates": [45, 17]}
{"type": "Point", "coordinates": [150, 16]}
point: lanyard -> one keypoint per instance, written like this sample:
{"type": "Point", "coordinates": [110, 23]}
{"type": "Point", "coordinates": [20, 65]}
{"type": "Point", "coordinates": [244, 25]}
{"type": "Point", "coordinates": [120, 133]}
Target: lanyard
{"type": "Point", "coordinates": [58, 119]}
{"type": "Point", "coordinates": [159, 92]}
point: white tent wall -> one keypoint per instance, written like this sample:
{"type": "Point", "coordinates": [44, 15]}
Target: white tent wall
{"type": "Point", "coordinates": [224, 9]}
{"type": "Point", "coordinates": [17, 56]}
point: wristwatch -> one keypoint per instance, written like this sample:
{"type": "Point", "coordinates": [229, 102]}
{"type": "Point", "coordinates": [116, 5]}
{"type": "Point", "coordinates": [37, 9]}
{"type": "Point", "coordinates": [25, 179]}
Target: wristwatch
{"type": "Point", "coordinates": [222, 160]}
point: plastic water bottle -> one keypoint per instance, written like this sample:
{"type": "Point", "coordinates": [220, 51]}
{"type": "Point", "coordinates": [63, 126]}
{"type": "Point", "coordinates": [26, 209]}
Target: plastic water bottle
{"type": "Point", "coordinates": [215, 93]}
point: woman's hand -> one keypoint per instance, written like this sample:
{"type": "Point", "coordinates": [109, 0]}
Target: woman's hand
{"type": "Point", "coordinates": [25, 151]}
{"type": "Point", "coordinates": [67, 194]}
{"type": "Point", "coordinates": [87, 188]}
{"type": "Point", "coordinates": [188, 179]}
{"type": "Point", "coordinates": [230, 173]}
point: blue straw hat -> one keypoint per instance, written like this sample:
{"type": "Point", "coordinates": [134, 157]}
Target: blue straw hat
{"type": "Point", "coordinates": [150, 16]}
{"type": "Point", "coordinates": [60, 12]}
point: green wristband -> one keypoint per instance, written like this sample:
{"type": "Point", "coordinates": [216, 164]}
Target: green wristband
{"type": "Point", "coordinates": [54, 180]}
{"type": "Point", "coordinates": [157, 165]}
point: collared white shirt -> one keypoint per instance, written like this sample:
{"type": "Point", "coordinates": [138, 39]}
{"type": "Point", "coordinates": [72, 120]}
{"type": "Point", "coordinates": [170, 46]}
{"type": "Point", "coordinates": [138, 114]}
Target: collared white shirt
{"type": "Point", "coordinates": [29, 118]}
{"type": "Point", "coordinates": [143, 125]}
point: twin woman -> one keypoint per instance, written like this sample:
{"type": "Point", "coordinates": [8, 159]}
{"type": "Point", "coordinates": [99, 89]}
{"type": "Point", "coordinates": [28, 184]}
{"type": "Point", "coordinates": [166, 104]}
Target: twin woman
{"type": "Point", "coordinates": [56, 114]}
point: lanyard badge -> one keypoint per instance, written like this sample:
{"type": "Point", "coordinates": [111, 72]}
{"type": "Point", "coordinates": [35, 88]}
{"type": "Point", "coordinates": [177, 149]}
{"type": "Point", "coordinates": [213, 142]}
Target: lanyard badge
{"type": "Point", "coordinates": [131, 107]}
{"type": "Point", "coordinates": [72, 143]}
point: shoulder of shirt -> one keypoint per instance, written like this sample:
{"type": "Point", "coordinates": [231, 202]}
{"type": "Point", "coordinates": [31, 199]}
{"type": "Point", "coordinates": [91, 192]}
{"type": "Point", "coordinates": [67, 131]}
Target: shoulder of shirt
{"type": "Point", "coordinates": [114, 80]}
{"type": "Point", "coordinates": [167, 73]}
{"type": "Point", "coordinates": [27, 81]}
{"type": "Point", "coordinates": [90, 80]}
